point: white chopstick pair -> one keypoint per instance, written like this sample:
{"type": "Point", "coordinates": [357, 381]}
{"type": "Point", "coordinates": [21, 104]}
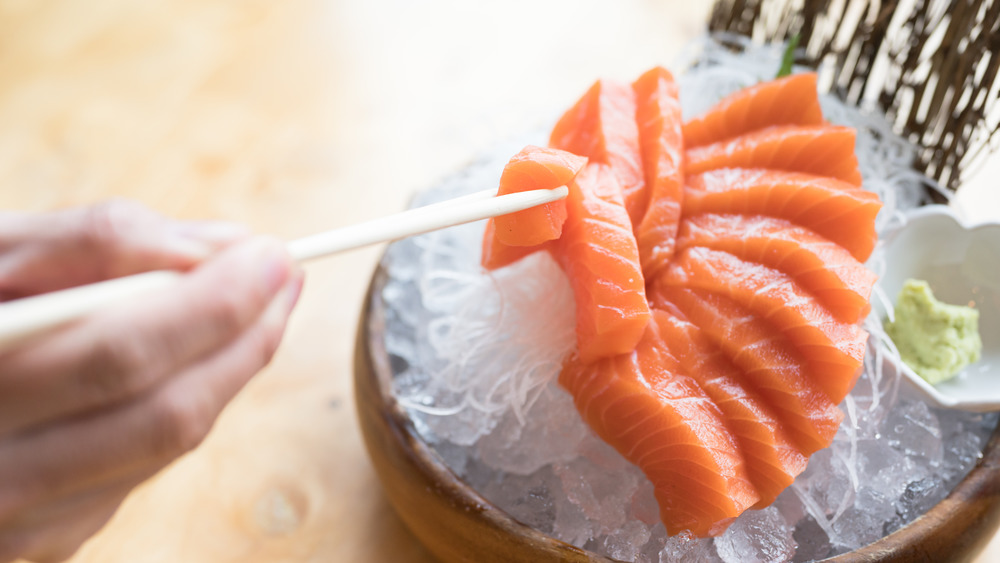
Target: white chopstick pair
{"type": "Point", "coordinates": [23, 318]}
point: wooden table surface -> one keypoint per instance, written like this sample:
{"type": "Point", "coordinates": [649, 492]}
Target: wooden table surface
{"type": "Point", "coordinates": [292, 117]}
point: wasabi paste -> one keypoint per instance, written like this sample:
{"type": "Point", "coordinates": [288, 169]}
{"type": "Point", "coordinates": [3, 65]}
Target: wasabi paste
{"type": "Point", "coordinates": [935, 339]}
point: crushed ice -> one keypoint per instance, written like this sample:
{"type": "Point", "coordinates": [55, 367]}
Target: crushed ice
{"type": "Point", "coordinates": [474, 357]}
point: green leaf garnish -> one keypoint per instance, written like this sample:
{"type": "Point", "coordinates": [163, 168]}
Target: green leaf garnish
{"type": "Point", "coordinates": [788, 58]}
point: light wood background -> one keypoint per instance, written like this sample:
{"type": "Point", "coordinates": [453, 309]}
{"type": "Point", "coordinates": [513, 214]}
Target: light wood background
{"type": "Point", "coordinates": [292, 117]}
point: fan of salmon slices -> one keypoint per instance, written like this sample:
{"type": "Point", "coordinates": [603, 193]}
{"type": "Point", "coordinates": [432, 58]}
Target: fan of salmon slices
{"type": "Point", "coordinates": [717, 270]}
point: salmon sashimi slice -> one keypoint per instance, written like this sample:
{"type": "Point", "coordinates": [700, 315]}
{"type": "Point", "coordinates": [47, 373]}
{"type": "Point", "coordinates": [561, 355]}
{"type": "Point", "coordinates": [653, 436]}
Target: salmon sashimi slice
{"type": "Point", "coordinates": [602, 127]}
{"type": "Point", "coordinates": [658, 114]}
{"type": "Point", "coordinates": [831, 208]}
{"type": "Point", "coordinates": [823, 268]}
{"type": "Point", "coordinates": [773, 461]}
{"type": "Point", "coordinates": [496, 254]}
{"type": "Point", "coordinates": [833, 349]}
{"type": "Point", "coordinates": [718, 277]}
{"type": "Point", "coordinates": [792, 100]}
{"type": "Point", "coordinates": [770, 364]}
{"type": "Point", "coordinates": [664, 423]}
{"type": "Point", "coordinates": [824, 150]}
{"type": "Point", "coordinates": [536, 168]}
{"type": "Point", "coordinates": [599, 255]}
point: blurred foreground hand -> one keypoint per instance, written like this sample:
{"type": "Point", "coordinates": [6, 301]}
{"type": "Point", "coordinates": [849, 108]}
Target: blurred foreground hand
{"type": "Point", "coordinates": [92, 410]}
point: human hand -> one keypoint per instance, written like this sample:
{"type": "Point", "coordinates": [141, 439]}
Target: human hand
{"type": "Point", "coordinates": [90, 411]}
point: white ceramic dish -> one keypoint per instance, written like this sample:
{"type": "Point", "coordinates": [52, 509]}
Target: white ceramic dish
{"type": "Point", "coordinates": [961, 262]}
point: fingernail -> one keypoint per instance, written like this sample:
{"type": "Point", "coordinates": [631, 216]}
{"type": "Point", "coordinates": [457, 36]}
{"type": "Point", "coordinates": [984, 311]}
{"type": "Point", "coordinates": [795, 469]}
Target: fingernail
{"type": "Point", "coordinates": [216, 233]}
{"type": "Point", "coordinates": [197, 240]}
{"type": "Point", "coordinates": [189, 250]}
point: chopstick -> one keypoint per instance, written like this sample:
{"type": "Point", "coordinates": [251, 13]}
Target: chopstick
{"type": "Point", "coordinates": [23, 318]}
{"type": "Point", "coordinates": [448, 213]}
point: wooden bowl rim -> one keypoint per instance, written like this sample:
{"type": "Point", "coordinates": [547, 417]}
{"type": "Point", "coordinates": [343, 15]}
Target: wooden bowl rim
{"type": "Point", "coordinates": [954, 519]}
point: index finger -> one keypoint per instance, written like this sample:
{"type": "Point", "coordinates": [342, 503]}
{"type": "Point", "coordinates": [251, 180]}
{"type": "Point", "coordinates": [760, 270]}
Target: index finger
{"type": "Point", "coordinates": [49, 251]}
{"type": "Point", "coordinates": [119, 354]}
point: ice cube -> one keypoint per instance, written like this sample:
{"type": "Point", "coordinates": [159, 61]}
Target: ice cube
{"type": "Point", "coordinates": [918, 497]}
{"type": "Point", "coordinates": [757, 536]}
{"type": "Point", "coordinates": [826, 481]}
{"type": "Point", "coordinates": [964, 450]}
{"type": "Point", "coordinates": [790, 506]}
{"type": "Point", "coordinates": [600, 483]}
{"type": "Point", "coordinates": [913, 429]}
{"type": "Point", "coordinates": [684, 547]}
{"type": "Point", "coordinates": [625, 544]}
{"type": "Point", "coordinates": [527, 498]}
{"type": "Point", "coordinates": [477, 474]}
{"type": "Point", "coordinates": [550, 434]}
{"type": "Point", "coordinates": [651, 551]}
{"type": "Point", "coordinates": [811, 540]}
{"type": "Point", "coordinates": [571, 525]}
{"type": "Point", "coordinates": [643, 506]}
{"type": "Point", "coordinates": [855, 528]}
{"type": "Point", "coordinates": [882, 465]}
{"type": "Point", "coordinates": [454, 456]}
{"type": "Point", "coordinates": [463, 426]}
{"type": "Point", "coordinates": [875, 503]}
{"type": "Point", "coordinates": [863, 522]}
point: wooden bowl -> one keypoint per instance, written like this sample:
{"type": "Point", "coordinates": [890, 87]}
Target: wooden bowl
{"type": "Point", "coordinates": [456, 524]}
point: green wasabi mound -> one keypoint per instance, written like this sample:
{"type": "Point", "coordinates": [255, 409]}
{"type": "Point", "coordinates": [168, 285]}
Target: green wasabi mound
{"type": "Point", "coordinates": [935, 339]}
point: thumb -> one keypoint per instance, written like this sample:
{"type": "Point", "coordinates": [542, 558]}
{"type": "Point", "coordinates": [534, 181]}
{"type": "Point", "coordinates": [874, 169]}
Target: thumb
{"type": "Point", "coordinates": [46, 252]}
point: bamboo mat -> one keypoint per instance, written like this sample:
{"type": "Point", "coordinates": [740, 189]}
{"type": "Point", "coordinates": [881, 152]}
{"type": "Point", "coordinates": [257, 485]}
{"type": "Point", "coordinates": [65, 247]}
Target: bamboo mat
{"type": "Point", "coordinates": [293, 117]}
